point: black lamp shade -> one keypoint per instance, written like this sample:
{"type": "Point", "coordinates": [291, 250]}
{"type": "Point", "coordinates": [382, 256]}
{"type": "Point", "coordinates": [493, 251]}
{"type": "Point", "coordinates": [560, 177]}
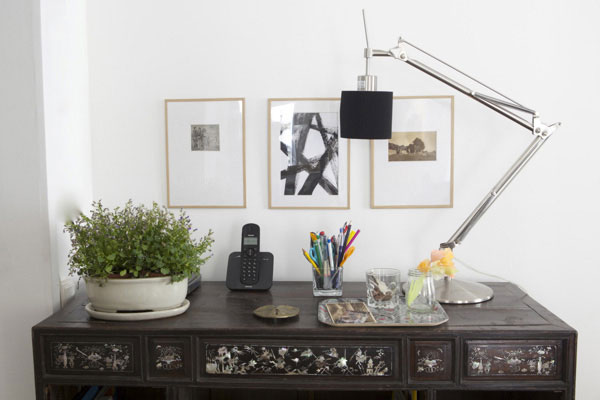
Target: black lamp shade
{"type": "Point", "coordinates": [366, 115]}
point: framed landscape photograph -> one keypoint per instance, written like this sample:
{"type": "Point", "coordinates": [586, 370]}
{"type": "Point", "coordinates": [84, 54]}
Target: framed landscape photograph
{"type": "Point", "coordinates": [415, 168]}
{"type": "Point", "coordinates": [205, 144]}
{"type": "Point", "coordinates": [308, 160]}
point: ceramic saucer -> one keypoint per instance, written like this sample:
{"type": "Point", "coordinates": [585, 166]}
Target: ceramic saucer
{"type": "Point", "coordinates": [137, 316]}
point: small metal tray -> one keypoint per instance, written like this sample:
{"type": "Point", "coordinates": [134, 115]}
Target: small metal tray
{"type": "Point", "coordinates": [385, 317]}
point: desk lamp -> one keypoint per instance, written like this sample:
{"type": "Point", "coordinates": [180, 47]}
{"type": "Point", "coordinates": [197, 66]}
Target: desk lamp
{"type": "Point", "coordinates": [367, 114]}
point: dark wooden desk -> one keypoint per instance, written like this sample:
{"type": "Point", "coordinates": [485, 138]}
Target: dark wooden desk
{"type": "Point", "coordinates": [510, 343]}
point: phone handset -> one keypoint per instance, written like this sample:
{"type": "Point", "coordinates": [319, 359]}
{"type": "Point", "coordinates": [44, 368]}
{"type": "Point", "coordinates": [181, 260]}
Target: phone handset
{"type": "Point", "coordinates": [249, 257]}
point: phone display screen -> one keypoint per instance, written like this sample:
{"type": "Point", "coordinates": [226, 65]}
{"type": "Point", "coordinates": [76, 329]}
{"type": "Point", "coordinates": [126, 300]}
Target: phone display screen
{"type": "Point", "coordinates": [250, 241]}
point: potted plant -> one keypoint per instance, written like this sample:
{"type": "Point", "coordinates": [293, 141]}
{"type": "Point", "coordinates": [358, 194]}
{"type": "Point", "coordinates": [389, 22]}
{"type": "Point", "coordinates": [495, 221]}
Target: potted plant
{"type": "Point", "coordinates": [135, 258]}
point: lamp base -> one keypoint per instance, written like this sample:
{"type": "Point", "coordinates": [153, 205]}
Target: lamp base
{"type": "Point", "coordinates": [455, 291]}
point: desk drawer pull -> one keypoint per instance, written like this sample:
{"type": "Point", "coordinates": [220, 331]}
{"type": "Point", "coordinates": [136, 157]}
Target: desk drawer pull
{"type": "Point", "coordinates": [240, 359]}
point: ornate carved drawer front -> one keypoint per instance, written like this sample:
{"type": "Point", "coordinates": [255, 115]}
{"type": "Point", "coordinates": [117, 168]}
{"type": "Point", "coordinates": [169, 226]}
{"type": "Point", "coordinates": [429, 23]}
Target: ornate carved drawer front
{"type": "Point", "coordinates": [244, 359]}
{"type": "Point", "coordinates": [525, 359]}
{"type": "Point", "coordinates": [91, 356]}
{"type": "Point", "coordinates": [431, 360]}
{"type": "Point", "coordinates": [169, 358]}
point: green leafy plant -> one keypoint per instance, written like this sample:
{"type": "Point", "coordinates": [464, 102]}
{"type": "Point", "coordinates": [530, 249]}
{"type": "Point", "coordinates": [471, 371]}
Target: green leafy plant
{"type": "Point", "coordinates": [135, 242]}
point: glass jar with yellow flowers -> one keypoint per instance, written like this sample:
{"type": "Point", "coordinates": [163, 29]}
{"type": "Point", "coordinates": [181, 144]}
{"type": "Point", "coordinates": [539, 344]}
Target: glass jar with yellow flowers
{"type": "Point", "coordinates": [420, 296]}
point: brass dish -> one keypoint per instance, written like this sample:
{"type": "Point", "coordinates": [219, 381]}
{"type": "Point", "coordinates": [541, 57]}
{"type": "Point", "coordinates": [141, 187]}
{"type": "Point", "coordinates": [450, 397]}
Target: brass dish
{"type": "Point", "coordinates": [276, 312]}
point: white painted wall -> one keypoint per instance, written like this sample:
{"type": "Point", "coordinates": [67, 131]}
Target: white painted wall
{"type": "Point", "coordinates": [540, 235]}
{"type": "Point", "coordinates": [25, 295]}
{"type": "Point", "coordinates": [67, 130]}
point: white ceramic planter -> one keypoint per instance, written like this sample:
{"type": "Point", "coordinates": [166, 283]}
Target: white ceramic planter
{"type": "Point", "coordinates": [136, 294]}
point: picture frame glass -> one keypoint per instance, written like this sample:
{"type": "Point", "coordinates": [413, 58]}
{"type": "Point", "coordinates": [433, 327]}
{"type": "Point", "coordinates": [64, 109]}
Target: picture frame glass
{"type": "Point", "coordinates": [308, 159]}
{"type": "Point", "coordinates": [205, 153]}
{"type": "Point", "coordinates": [414, 169]}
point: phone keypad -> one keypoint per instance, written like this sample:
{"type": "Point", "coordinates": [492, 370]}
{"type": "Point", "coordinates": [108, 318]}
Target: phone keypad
{"type": "Point", "coordinates": [249, 271]}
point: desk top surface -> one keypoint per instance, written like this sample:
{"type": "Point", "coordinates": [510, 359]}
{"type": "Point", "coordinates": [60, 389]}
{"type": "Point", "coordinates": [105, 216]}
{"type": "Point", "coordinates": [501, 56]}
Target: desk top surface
{"type": "Point", "coordinates": [215, 310]}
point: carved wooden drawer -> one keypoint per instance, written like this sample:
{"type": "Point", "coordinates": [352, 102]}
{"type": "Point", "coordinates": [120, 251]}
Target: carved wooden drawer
{"type": "Point", "coordinates": [169, 358]}
{"type": "Point", "coordinates": [85, 355]}
{"type": "Point", "coordinates": [238, 358]}
{"type": "Point", "coordinates": [515, 359]}
{"type": "Point", "coordinates": [431, 360]}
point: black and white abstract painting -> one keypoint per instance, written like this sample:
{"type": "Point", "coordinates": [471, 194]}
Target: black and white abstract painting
{"type": "Point", "coordinates": [311, 147]}
{"type": "Point", "coordinates": [308, 160]}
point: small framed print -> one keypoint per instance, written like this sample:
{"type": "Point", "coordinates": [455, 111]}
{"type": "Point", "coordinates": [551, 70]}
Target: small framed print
{"type": "Point", "coordinates": [308, 160]}
{"type": "Point", "coordinates": [205, 142]}
{"type": "Point", "coordinates": [415, 168]}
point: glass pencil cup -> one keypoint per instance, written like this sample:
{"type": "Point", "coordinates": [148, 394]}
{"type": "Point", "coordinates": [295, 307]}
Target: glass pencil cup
{"type": "Point", "coordinates": [420, 296]}
{"type": "Point", "coordinates": [328, 284]}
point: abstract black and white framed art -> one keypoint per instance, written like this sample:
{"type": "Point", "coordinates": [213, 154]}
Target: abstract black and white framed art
{"type": "Point", "coordinates": [308, 160]}
{"type": "Point", "coordinates": [205, 144]}
{"type": "Point", "coordinates": [415, 168]}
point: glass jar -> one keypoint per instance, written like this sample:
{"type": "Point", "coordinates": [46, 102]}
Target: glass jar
{"type": "Point", "coordinates": [420, 296]}
{"type": "Point", "coordinates": [383, 288]}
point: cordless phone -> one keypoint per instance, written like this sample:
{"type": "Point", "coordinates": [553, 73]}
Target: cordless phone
{"type": "Point", "coordinates": [250, 269]}
{"type": "Point", "coordinates": [250, 249]}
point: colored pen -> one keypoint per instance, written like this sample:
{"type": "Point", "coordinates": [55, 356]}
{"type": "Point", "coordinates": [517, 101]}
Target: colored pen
{"type": "Point", "coordinates": [330, 256]}
{"type": "Point", "coordinates": [340, 252]}
{"type": "Point", "coordinates": [318, 251]}
{"type": "Point", "coordinates": [348, 234]}
{"type": "Point", "coordinates": [345, 238]}
{"type": "Point", "coordinates": [352, 239]}
{"type": "Point", "coordinates": [334, 247]}
{"type": "Point", "coordinates": [347, 255]}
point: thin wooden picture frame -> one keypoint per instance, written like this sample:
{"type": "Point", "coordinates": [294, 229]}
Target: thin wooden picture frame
{"type": "Point", "coordinates": [206, 132]}
{"type": "Point", "coordinates": [433, 123]}
{"type": "Point", "coordinates": [323, 200]}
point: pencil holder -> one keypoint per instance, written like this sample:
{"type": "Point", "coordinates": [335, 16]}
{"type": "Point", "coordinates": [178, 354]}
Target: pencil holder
{"type": "Point", "coordinates": [328, 286]}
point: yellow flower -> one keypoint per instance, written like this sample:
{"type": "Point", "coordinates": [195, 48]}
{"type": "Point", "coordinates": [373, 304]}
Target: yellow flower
{"type": "Point", "coordinates": [424, 266]}
{"type": "Point", "coordinates": [446, 260]}
{"type": "Point", "coordinates": [441, 264]}
{"type": "Point", "coordinates": [450, 270]}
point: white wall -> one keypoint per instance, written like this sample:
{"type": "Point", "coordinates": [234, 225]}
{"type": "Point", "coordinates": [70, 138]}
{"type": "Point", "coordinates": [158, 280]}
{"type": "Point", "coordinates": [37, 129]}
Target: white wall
{"type": "Point", "coordinates": [66, 125]}
{"type": "Point", "coordinates": [540, 235]}
{"type": "Point", "coordinates": [25, 296]}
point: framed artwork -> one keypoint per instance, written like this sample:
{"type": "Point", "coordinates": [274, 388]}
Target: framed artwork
{"type": "Point", "coordinates": [205, 143]}
{"type": "Point", "coordinates": [415, 168]}
{"type": "Point", "coordinates": [308, 160]}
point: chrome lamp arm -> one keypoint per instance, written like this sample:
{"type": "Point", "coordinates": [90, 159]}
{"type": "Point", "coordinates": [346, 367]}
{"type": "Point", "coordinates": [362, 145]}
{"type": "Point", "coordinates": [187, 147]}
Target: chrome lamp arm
{"type": "Point", "coordinates": [505, 107]}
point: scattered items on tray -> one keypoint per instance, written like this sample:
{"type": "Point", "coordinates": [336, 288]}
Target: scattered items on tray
{"type": "Point", "coordinates": [347, 312]}
{"type": "Point", "coordinates": [351, 312]}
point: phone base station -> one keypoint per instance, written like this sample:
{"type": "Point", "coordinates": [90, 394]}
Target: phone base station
{"type": "Point", "coordinates": [265, 272]}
